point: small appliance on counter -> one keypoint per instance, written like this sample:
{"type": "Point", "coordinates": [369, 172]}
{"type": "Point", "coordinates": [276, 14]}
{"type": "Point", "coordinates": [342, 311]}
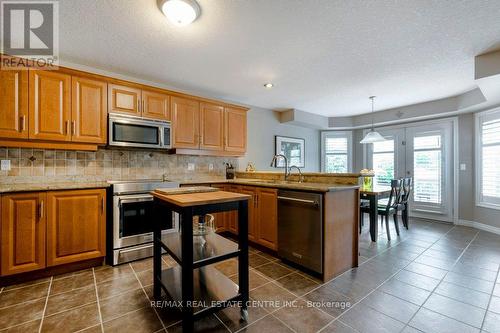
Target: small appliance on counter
{"type": "Point", "coordinates": [250, 167]}
{"type": "Point", "coordinates": [229, 170]}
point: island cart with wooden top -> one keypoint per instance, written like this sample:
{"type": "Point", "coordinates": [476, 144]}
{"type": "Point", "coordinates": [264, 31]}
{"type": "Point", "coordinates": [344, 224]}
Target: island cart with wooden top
{"type": "Point", "coordinates": [197, 287]}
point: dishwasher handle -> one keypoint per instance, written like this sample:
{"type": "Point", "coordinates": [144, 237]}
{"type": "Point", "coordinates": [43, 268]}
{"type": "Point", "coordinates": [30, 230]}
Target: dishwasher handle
{"type": "Point", "coordinates": [310, 202]}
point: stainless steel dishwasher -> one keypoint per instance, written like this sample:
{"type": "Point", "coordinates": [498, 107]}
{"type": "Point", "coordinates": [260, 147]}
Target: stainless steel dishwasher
{"type": "Point", "coordinates": [300, 228]}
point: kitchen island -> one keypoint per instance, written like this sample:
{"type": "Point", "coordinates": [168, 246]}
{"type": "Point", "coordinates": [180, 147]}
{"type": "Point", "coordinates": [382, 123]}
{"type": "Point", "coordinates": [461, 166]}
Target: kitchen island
{"type": "Point", "coordinates": [336, 234]}
{"type": "Point", "coordinates": [198, 288]}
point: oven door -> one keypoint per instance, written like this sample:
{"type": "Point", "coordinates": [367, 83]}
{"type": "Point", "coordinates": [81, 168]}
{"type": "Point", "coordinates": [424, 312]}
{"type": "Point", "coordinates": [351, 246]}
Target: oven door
{"type": "Point", "coordinates": [133, 220]}
{"type": "Point", "coordinates": [131, 132]}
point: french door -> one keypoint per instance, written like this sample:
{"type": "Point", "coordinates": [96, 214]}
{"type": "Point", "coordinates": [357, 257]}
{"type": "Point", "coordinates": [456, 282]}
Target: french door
{"type": "Point", "coordinates": [423, 152]}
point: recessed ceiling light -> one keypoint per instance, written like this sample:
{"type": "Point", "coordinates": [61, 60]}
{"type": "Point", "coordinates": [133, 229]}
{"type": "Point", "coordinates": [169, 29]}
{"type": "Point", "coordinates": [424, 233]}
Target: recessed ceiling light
{"type": "Point", "coordinates": [268, 85]}
{"type": "Point", "coordinates": [180, 12]}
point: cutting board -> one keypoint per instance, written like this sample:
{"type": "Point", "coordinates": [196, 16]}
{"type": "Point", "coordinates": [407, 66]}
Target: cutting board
{"type": "Point", "coordinates": [186, 190]}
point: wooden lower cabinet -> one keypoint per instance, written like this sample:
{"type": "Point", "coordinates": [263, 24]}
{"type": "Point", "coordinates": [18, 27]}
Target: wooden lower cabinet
{"type": "Point", "coordinates": [252, 202]}
{"type": "Point", "coordinates": [267, 217]}
{"type": "Point", "coordinates": [22, 233]}
{"type": "Point", "coordinates": [220, 218]}
{"type": "Point", "coordinates": [76, 226]}
{"type": "Point", "coordinates": [232, 216]}
{"type": "Point", "coordinates": [44, 229]}
{"type": "Point", "coordinates": [262, 215]}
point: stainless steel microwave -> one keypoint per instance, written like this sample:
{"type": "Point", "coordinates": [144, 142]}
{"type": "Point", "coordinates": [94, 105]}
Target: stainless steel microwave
{"type": "Point", "coordinates": [125, 131]}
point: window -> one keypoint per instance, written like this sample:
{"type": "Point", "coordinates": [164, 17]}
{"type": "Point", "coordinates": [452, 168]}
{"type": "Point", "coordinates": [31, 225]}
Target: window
{"type": "Point", "coordinates": [488, 159]}
{"type": "Point", "coordinates": [383, 162]}
{"type": "Point", "coordinates": [427, 168]}
{"type": "Point", "coordinates": [336, 154]}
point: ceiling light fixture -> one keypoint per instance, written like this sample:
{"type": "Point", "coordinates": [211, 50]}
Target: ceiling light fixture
{"type": "Point", "coordinates": [372, 136]}
{"type": "Point", "coordinates": [180, 12]}
{"type": "Point", "coordinates": [268, 85]}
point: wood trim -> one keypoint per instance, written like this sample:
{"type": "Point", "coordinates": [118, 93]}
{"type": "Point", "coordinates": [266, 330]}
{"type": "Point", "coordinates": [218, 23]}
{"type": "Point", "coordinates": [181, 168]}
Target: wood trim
{"type": "Point", "coordinates": [340, 237]}
{"type": "Point", "coordinates": [47, 145]}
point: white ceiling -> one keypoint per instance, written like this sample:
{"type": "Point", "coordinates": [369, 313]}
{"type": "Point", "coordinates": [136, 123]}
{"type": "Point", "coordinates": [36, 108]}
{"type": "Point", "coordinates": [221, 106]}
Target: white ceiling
{"type": "Point", "coordinates": [324, 56]}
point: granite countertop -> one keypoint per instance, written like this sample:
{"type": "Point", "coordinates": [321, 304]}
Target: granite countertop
{"type": "Point", "coordinates": [286, 185]}
{"type": "Point", "coordinates": [29, 187]}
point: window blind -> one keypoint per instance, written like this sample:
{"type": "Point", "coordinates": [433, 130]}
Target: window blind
{"type": "Point", "coordinates": [490, 158]}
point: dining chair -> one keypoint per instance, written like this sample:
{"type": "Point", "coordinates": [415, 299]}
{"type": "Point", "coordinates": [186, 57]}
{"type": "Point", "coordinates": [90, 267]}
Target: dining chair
{"type": "Point", "coordinates": [387, 208]}
{"type": "Point", "coordinates": [405, 196]}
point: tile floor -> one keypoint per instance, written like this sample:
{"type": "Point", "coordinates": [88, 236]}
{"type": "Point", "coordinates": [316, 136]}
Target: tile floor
{"type": "Point", "coordinates": [434, 278]}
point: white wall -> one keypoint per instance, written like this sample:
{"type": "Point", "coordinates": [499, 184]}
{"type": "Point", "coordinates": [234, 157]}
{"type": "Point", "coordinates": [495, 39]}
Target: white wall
{"type": "Point", "coordinates": [263, 125]}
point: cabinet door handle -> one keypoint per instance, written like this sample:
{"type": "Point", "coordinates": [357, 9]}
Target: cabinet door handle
{"type": "Point", "coordinates": [73, 127]}
{"type": "Point", "coordinates": [23, 123]}
{"type": "Point", "coordinates": [139, 106]}
{"type": "Point", "coordinates": [67, 127]}
{"type": "Point", "coordinates": [40, 210]}
{"type": "Point", "coordinates": [102, 205]}
{"type": "Point", "coordinates": [143, 106]}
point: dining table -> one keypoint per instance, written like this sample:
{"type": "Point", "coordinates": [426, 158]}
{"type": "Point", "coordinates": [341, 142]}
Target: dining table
{"type": "Point", "coordinates": [373, 195]}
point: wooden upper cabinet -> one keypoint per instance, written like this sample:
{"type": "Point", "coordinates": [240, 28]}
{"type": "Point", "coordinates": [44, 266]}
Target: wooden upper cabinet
{"type": "Point", "coordinates": [185, 123]}
{"type": "Point", "coordinates": [76, 226]}
{"type": "Point", "coordinates": [235, 123]}
{"type": "Point", "coordinates": [124, 99]}
{"type": "Point", "coordinates": [22, 232]}
{"type": "Point", "coordinates": [49, 105]}
{"type": "Point", "coordinates": [211, 126]}
{"type": "Point", "coordinates": [267, 216]}
{"type": "Point", "coordinates": [155, 105]}
{"type": "Point", "coordinates": [14, 104]}
{"type": "Point", "coordinates": [89, 110]}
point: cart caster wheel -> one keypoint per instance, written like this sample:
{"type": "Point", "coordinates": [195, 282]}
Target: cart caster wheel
{"type": "Point", "coordinates": [244, 314]}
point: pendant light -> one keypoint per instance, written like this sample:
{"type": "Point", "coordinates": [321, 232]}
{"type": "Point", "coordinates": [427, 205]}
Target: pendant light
{"type": "Point", "coordinates": [372, 136]}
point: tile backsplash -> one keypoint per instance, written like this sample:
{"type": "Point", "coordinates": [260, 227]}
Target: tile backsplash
{"type": "Point", "coordinates": [45, 165]}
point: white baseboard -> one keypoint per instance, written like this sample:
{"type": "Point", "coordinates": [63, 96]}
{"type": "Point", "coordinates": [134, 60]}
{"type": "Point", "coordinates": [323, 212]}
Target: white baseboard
{"type": "Point", "coordinates": [480, 226]}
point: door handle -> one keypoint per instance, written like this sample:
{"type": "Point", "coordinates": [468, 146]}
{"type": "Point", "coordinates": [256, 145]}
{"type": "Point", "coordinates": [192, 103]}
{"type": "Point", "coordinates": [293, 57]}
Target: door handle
{"type": "Point", "coordinates": [138, 106]}
{"type": "Point", "coordinates": [23, 123]}
{"type": "Point", "coordinates": [102, 205]}
{"type": "Point", "coordinates": [312, 202]}
{"type": "Point", "coordinates": [67, 126]}
{"type": "Point", "coordinates": [40, 210]}
{"type": "Point", "coordinates": [136, 249]}
{"type": "Point", "coordinates": [73, 127]}
{"type": "Point", "coordinates": [143, 106]}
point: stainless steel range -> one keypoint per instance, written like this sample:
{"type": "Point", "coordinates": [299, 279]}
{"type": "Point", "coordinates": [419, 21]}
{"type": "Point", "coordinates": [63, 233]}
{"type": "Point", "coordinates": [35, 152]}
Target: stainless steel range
{"type": "Point", "coordinates": [130, 229]}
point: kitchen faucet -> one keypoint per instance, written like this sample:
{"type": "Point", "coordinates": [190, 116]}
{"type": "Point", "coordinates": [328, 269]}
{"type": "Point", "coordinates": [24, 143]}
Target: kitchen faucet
{"type": "Point", "coordinates": [301, 177]}
{"type": "Point", "coordinates": [273, 162]}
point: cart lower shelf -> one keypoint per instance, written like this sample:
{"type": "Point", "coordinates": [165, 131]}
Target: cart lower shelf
{"type": "Point", "coordinates": [211, 288]}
